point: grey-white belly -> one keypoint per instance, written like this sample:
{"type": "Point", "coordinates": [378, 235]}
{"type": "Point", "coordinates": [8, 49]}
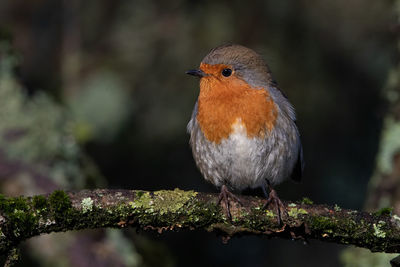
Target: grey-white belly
{"type": "Point", "coordinates": [237, 161]}
{"type": "Point", "coordinates": [241, 162]}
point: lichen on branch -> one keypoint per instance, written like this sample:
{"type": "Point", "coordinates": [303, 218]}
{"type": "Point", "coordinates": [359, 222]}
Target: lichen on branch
{"type": "Point", "coordinates": [25, 217]}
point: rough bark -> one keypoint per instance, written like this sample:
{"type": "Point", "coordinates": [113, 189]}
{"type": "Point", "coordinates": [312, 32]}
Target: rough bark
{"type": "Point", "coordinates": [25, 217]}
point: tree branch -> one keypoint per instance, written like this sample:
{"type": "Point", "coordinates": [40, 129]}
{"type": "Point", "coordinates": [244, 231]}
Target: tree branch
{"type": "Point", "coordinates": [25, 217]}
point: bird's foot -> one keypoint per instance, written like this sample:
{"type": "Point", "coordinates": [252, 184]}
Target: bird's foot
{"type": "Point", "coordinates": [224, 197]}
{"type": "Point", "coordinates": [279, 207]}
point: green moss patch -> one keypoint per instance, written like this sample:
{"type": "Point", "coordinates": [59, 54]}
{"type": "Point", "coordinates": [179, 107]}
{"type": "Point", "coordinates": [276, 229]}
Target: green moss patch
{"type": "Point", "coordinates": [295, 212]}
{"type": "Point", "coordinates": [384, 212]}
{"type": "Point", "coordinates": [307, 201]}
{"type": "Point", "coordinates": [18, 212]}
{"type": "Point", "coordinates": [163, 201]}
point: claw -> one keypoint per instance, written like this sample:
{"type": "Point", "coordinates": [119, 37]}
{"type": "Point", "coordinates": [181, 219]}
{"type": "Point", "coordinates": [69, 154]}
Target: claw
{"type": "Point", "coordinates": [279, 207]}
{"type": "Point", "coordinates": [224, 197]}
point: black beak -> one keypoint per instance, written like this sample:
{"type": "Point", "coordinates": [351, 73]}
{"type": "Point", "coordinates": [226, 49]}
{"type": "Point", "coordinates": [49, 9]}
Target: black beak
{"type": "Point", "coordinates": [197, 73]}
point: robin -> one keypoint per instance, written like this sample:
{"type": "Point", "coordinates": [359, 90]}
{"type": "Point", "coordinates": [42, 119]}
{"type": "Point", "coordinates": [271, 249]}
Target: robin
{"type": "Point", "coordinates": [243, 129]}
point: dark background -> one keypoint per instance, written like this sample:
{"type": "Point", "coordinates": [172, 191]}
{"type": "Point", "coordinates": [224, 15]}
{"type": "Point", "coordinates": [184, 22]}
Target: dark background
{"type": "Point", "coordinates": [117, 68]}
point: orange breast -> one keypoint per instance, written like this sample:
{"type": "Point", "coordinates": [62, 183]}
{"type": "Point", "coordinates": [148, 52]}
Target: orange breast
{"type": "Point", "coordinates": [224, 100]}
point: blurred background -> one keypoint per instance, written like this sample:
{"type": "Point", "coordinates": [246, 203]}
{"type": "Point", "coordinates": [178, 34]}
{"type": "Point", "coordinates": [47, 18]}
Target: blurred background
{"type": "Point", "coordinates": [93, 94]}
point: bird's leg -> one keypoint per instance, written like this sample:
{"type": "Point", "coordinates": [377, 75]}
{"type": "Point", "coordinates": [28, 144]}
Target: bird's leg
{"type": "Point", "coordinates": [272, 198]}
{"type": "Point", "coordinates": [224, 197]}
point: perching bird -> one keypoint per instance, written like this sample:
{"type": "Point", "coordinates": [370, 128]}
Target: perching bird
{"type": "Point", "coordinates": [243, 129]}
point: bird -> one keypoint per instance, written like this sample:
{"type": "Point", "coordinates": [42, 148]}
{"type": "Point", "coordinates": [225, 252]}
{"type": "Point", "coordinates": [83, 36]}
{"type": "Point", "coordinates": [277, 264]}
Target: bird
{"type": "Point", "coordinates": [243, 131]}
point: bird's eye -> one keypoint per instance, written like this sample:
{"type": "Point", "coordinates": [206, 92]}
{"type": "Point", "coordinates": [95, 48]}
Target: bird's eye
{"type": "Point", "coordinates": [226, 72]}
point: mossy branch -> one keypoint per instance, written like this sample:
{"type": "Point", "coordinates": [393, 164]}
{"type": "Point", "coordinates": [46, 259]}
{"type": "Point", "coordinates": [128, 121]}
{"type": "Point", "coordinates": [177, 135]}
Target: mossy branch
{"type": "Point", "coordinates": [25, 217]}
